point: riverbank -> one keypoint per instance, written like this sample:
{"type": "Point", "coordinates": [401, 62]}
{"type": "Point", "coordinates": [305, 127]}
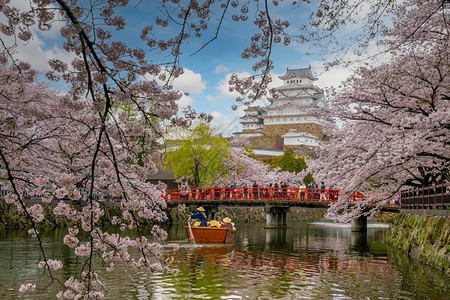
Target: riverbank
{"type": "Point", "coordinates": [255, 214]}
{"type": "Point", "coordinates": [11, 218]}
{"type": "Point", "coordinates": [423, 237]}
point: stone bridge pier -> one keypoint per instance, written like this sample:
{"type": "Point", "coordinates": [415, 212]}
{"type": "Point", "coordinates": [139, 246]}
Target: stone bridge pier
{"type": "Point", "coordinates": [276, 216]}
{"type": "Point", "coordinates": [359, 224]}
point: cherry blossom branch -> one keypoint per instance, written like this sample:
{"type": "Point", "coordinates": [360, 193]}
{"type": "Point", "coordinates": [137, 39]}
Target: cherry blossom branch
{"type": "Point", "coordinates": [29, 217]}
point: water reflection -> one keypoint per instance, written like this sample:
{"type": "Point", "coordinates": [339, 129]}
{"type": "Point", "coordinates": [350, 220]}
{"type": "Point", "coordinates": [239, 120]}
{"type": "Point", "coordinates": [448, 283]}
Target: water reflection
{"type": "Point", "coordinates": [315, 261]}
{"type": "Point", "coordinates": [276, 236]}
{"type": "Point", "coordinates": [359, 243]}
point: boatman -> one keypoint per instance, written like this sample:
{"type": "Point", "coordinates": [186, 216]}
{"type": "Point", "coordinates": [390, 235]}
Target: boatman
{"type": "Point", "coordinates": [200, 215]}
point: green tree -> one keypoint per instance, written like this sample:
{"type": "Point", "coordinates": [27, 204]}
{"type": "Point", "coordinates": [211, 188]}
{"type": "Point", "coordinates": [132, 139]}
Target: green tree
{"type": "Point", "coordinates": [196, 155]}
{"type": "Point", "coordinates": [288, 162]}
{"type": "Point", "coordinates": [291, 163]}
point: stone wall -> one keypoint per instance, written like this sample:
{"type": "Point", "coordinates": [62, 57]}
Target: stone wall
{"type": "Point", "coordinates": [251, 130]}
{"type": "Point", "coordinates": [424, 237]}
{"type": "Point", "coordinates": [281, 129]}
{"type": "Point", "coordinates": [265, 142]}
{"type": "Point", "coordinates": [385, 217]}
{"type": "Point", "coordinates": [255, 214]}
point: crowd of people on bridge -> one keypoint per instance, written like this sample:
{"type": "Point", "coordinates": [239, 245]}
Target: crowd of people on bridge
{"type": "Point", "coordinates": [271, 191]}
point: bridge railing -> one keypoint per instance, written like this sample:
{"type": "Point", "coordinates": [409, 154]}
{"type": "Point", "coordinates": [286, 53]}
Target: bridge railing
{"type": "Point", "coordinates": [431, 197]}
{"type": "Point", "coordinates": [259, 193]}
{"type": "Point", "coordinates": [250, 193]}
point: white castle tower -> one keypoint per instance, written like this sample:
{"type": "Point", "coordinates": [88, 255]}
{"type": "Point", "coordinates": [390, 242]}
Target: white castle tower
{"type": "Point", "coordinates": [252, 122]}
{"type": "Point", "coordinates": [293, 115]}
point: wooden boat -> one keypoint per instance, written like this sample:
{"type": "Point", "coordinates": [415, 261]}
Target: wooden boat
{"type": "Point", "coordinates": [212, 235]}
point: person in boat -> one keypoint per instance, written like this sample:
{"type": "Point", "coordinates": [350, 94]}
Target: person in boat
{"type": "Point", "coordinates": [201, 216]}
{"type": "Point", "coordinates": [214, 223]}
{"type": "Point", "coordinates": [227, 223]}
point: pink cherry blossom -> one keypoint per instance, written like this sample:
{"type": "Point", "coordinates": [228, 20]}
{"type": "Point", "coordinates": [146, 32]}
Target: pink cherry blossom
{"type": "Point", "coordinates": [393, 118]}
{"type": "Point", "coordinates": [27, 287]}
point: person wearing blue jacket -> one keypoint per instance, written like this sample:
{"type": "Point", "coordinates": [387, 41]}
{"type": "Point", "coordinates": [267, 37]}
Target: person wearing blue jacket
{"type": "Point", "coordinates": [201, 216]}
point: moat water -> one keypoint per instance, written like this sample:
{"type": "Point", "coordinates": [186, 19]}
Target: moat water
{"type": "Point", "coordinates": [305, 261]}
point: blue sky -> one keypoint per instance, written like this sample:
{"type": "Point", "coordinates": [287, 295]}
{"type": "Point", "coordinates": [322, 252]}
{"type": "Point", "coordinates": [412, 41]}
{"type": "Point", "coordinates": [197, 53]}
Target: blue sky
{"type": "Point", "coordinates": [207, 72]}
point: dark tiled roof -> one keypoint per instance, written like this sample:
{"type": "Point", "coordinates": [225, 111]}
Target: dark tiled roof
{"type": "Point", "coordinates": [304, 72]}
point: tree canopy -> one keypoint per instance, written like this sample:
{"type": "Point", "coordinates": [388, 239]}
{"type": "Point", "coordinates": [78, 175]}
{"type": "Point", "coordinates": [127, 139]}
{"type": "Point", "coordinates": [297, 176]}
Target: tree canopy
{"type": "Point", "coordinates": [197, 155]}
{"type": "Point", "coordinates": [392, 121]}
{"type": "Point", "coordinates": [290, 163]}
{"type": "Point", "coordinates": [242, 167]}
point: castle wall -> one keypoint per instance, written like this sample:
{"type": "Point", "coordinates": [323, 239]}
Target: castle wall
{"type": "Point", "coordinates": [251, 130]}
{"type": "Point", "coordinates": [281, 129]}
{"type": "Point", "coordinates": [266, 142]}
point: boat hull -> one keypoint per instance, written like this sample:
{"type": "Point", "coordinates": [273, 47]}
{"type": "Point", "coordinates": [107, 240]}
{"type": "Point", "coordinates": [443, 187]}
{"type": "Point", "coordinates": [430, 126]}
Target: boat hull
{"type": "Point", "coordinates": [211, 235]}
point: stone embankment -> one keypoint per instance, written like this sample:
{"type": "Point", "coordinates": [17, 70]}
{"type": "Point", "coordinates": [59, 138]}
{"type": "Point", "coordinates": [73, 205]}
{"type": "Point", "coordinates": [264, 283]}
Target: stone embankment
{"type": "Point", "coordinates": [424, 237]}
{"type": "Point", "coordinates": [255, 214]}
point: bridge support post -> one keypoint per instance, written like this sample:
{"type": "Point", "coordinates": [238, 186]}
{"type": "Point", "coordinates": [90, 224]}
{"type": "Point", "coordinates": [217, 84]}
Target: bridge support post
{"type": "Point", "coordinates": [211, 212]}
{"type": "Point", "coordinates": [276, 216]}
{"type": "Point", "coordinates": [359, 224]}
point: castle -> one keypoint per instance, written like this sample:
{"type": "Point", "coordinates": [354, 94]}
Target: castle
{"type": "Point", "coordinates": [294, 116]}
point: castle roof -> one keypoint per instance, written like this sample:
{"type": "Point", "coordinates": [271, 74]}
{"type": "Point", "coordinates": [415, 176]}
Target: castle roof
{"type": "Point", "coordinates": [303, 72]}
{"type": "Point", "coordinates": [294, 133]}
{"type": "Point", "coordinates": [276, 105]}
{"type": "Point", "coordinates": [254, 108]}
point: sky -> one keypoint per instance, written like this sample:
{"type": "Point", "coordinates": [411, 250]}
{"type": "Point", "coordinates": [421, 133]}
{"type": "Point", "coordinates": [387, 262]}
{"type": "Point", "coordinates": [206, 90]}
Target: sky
{"type": "Point", "coordinates": [206, 73]}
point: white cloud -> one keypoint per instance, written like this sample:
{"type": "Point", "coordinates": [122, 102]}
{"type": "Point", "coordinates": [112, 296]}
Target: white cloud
{"type": "Point", "coordinates": [276, 82]}
{"type": "Point", "coordinates": [226, 125]}
{"type": "Point", "coordinates": [223, 85]}
{"type": "Point", "coordinates": [333, 77]}
{"type": "Point", "coordinates": [221, 69]}
{"type": "Point", "coordinates": [34, 53]}
{"type": "Point", "coordinates": [185, 101]}
{"type": "Point", "coordinates": [190, 82]}
{"type": "Point", "coordinates": [220, 119]}
{"type": "Point", "coordinates": [37, 51]}
{"type": "Point", "coordinates": [375, 55]}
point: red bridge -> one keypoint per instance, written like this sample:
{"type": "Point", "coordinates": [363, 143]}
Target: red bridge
{"type": "Point", "coordinates": [276, 201]}
{"type": "Point", "coordinates": [259, 193]}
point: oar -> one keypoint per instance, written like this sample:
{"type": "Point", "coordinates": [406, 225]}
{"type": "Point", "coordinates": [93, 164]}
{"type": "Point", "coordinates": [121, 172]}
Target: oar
{"type": "Point", "coordinates": [192, 239]}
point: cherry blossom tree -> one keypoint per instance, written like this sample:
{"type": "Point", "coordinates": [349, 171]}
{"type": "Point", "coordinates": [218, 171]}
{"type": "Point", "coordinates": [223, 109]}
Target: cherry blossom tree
{"type": "Point", "coordinates": [242, 168]}
{"type": "Point", "coordinates": [95, 139]}
{"type": "Point", "coordinates": [392, 126]}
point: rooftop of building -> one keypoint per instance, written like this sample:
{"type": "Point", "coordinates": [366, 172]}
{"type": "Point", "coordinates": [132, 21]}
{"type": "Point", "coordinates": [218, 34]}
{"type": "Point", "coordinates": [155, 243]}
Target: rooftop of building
{"type": "Point", "coordinates": [303, 72]}
{"type": "Point", "coordinates": [294, 133]}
